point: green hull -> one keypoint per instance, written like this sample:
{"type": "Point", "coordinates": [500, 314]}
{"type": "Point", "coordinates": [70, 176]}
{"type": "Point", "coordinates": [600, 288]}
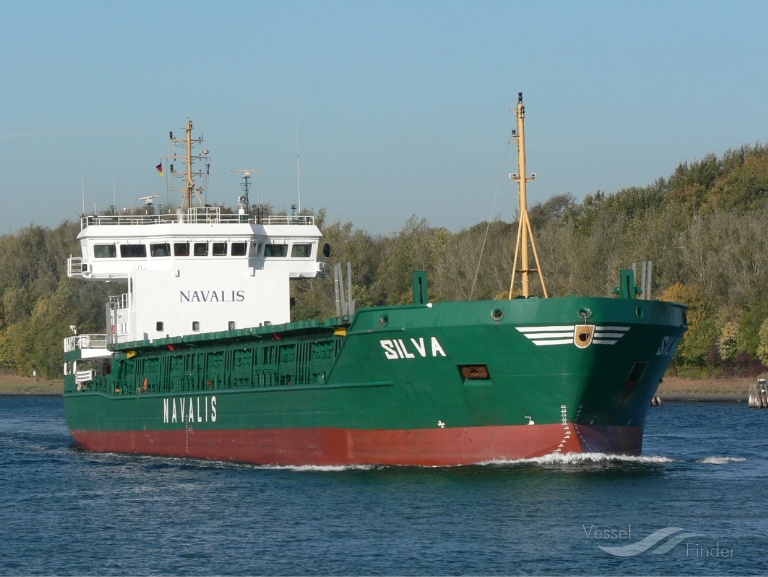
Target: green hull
{"type": "Point", "coordinates": [445, 383]}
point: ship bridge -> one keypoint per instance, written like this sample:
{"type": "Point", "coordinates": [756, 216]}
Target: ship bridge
{"type": "Point", "coordinates": [196, 271]}
{"type": "Point", "coordinates": [114, 247]}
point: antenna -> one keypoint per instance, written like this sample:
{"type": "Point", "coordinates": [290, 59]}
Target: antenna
{"type": "Point", "coordinates": [148, 202]}
{"type": "Point", "coordinates": [187, 175]}
{"type": "Point", "coordinates": [298, 163]}
{"type": "Point", "coordinates": [243, 201]}
{"type": "Point", "coordinates": [82, 184]}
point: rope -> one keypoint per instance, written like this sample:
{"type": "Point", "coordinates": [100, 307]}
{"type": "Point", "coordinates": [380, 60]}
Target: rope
{"type": "Point", "coordinates": [488, 227]}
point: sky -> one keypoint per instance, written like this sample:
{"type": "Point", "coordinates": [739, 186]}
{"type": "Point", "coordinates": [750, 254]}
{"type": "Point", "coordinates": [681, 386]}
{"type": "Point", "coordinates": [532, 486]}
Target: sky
{"type": "Point", "coordinates": [375, 111]}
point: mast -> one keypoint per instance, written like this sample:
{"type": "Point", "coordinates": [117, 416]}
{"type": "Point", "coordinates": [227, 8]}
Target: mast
{"type": "Point", "coordinates": [190, 189]}
{"type": "Point", "coordinates": [187, 202]}
{"type": "Point", "coordinates": [524, 231]}
{"type": "Point", "coordinates": [244, 201]}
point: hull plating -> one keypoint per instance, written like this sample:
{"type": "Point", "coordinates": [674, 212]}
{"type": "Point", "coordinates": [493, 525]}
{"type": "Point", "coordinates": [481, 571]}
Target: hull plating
{"type": "Point", "coordinates": [449, 384]}
{"type": "Point", "coordinates": [337, 447]}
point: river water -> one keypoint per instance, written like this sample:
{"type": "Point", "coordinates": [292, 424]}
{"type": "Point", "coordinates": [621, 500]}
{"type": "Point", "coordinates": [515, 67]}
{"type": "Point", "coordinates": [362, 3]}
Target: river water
{"type": "Point", "coordinates": [695, 503]}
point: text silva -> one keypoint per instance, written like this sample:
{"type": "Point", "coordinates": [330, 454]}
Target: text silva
{"type": "Point", "coordinates": [189, 410]}
{"type": "Point", "coordinates": [397, 348]}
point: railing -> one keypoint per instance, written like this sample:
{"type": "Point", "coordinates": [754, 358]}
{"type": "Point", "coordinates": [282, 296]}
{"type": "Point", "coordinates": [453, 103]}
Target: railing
{"type": "Point", "coordinates": [84, 376]}
{"type": "Point", "coordinates": [121, 301]}
{"type": "Point", "coordinates": [257, 365]}
{"type": "Point", "coordinates": [93, 341]}
{"type": "Point", "coordinates": [197, 215]}
{"type": "Point", "coordinates": [74, 266]}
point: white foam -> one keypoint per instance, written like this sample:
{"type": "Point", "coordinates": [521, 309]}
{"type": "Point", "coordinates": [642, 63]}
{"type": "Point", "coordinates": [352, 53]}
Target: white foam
{"type": "Point", "coordinates": [317, 468]}
{"type": "Point", "coordinates": [721, 460]}
{"type": "Point", "coordinates": [578, 458]}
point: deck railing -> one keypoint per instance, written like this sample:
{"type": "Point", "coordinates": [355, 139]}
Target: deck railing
{"type": "Point", "coordinates": [92, 341]}
{"type": "Point", "coordinates": [199, 215]}
{"type": "Point", "coordinates": [74, 266]}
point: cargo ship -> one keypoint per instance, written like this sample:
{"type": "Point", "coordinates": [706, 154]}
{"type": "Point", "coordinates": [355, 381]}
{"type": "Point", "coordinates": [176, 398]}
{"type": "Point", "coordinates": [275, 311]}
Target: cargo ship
{"type": "Point", "coordinates": [200, 358]}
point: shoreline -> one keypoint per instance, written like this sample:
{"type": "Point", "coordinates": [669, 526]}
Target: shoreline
{"type": "Point", "coordinates": [672, 389]}
{"type": "Point", "coordinates": [11, 384]}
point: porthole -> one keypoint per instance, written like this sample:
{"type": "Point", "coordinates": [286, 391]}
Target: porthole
{"type": "Point", "coordinates": [639, 312]}
{"type": "Point", "coordinates": [384, 321]}
{"type": "Point", "coordinates": [497, 314]}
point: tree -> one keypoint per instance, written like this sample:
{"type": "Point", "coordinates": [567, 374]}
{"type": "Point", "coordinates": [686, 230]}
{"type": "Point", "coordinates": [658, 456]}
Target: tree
{"type": "Point", "coordinates": [699, 340]}
{"type": "Point", "coordinates": [762, 347]}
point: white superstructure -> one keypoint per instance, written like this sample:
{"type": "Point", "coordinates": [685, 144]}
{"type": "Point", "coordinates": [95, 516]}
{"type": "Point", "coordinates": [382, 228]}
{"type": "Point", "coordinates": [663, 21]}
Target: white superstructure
{"type": "Point", "coordinates": [197, 270]}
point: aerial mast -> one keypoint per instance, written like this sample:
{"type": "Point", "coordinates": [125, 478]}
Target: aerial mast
{"type": "Point", "coordinates": [190, 189]}
{"type": "Point", "coordinates": [244, 200]}
{"type": "Point", "coordinates": [524, 231]}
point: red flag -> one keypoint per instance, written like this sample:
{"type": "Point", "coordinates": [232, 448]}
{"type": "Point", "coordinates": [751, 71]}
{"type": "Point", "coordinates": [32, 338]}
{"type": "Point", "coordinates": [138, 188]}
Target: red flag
{"type": "Point", "coordinates": [159, 168]}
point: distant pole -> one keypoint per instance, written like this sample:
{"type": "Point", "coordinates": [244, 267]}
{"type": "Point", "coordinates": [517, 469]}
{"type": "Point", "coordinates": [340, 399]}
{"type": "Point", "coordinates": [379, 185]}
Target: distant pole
{"type": "Point", "coordinates": [298, 163]}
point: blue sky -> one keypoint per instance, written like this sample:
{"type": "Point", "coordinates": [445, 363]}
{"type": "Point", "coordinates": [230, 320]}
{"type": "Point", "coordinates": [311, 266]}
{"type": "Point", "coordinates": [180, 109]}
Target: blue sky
{"type": "Point", "coordinates": [402, 107]}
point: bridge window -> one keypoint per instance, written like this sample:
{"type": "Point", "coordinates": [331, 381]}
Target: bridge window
{"type": "Point", "coordinates": [301, 250]}
{"type": "Point", "coordinates": [219, 249]}
{"type": "Point", "coordinates": [180, 249]}
{"type": "Point", "coordinates": [276, 250]}
{"type": "Point", "coordinates": [104, 251]}
{"type": "Point", "coordinates": [239, 249]}
{"type": "Point", "coordinates": [201, 249]}
{"type": "Point", "coordinates": [133, 250]}
{"type": "Point", "coordinates": [160, 249]}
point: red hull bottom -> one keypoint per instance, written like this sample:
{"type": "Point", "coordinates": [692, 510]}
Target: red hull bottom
{"type": "Point", "coordinates": [337, 447]}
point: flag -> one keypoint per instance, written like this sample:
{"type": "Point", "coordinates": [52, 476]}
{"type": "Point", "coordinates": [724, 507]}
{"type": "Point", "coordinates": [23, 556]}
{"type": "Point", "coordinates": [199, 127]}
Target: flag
{"type": "Point", "coordinates": [159, 168]}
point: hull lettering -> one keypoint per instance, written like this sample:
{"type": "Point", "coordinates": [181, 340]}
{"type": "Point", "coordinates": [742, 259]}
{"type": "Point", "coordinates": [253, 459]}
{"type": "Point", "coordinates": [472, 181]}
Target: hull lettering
{"type": "Point", "coordinates": [189, 410]}
{"type": "Point", "coordinates": [412, 349]}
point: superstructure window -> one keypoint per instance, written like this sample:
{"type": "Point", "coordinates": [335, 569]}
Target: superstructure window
{"type": "Point", "coordinates": [159, 325]}
{"type": "Point", "coordinates": [160, 249]}
{"type": "Point", "coordinates": [239, 249]}
{"type": "Point", "coordinates": [276, 250]}
{"type": "Point", "coordinates": [195, 326]}
{"type": "Point", "coordinates": [219, 249]}
{"type": "Point", "coordinates": [301, 250]}
{"type": "Point", "coordinates": [104, 251]}
{"type": "Point", "coordinates": [133, 250]}
{"type": "Point", "coordinates": [180, 249]}
{"type": "Point", "coordinates": [201, 249]}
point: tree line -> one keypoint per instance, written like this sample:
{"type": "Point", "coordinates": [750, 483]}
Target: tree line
{"type": "Point", "coordinates": [703, 227]}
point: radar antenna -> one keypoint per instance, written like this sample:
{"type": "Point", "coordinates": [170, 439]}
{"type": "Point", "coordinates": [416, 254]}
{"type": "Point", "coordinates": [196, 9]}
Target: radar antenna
{"type": "Point", "coordinates": [243, 200]}
{"type": "Point", "coordinates": [149, 203]}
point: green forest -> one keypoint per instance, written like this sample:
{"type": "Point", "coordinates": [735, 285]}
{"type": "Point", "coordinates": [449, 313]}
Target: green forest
{"type": "Point", "coordinates": [704, 227]}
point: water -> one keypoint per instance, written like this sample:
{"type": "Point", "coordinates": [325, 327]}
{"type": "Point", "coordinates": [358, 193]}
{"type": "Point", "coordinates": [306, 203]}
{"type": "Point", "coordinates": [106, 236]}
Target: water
{"type": "Point", "coordinates": [701, 481]}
